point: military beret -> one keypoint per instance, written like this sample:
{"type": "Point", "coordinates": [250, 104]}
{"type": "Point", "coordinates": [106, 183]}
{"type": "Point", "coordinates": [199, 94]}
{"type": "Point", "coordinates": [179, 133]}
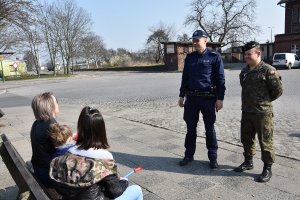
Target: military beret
{"type": "Point", "coordinates": [250, 45]}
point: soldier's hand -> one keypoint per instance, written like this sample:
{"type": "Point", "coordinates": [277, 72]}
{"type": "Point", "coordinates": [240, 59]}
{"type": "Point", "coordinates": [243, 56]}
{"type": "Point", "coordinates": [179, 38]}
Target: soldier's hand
{"type": "Point", "coordinates": [180, 102]}
{"type": "Point", "coordinates": [219, 105]}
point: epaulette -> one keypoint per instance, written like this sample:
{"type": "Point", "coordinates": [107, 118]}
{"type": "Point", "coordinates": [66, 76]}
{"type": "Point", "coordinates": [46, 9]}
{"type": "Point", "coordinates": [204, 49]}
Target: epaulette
{"type": "Point", "coordinates": [214, 53]}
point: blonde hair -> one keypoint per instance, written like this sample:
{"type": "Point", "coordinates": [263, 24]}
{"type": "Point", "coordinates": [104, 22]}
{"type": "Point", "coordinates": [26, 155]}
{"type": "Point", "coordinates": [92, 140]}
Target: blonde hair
{"type": "Point", "coordinates": [43, 106]}
{"type": "Point", "coordinates": [59, 134]}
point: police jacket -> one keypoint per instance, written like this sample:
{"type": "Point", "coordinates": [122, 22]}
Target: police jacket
{"type": "Point", "coordinates": [77, 177]}
{"type": "Point", "coordinates": [202, 72]}
{"type": "Point", "coordinates": [260, 87]}
{"type": "Point", "coordinates": [41, 144]}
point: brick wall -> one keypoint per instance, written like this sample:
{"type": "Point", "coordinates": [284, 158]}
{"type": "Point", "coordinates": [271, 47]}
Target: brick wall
{"type": "Point", "coordinates": [284, 42]}
{"type": "Point", "coordinates": [292, 22]}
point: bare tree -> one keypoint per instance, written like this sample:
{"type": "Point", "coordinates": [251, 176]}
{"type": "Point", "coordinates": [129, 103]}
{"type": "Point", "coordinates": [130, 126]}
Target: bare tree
{"type": "Point", "coordinates": [183, 38]}
{"type": "Point", "coordinates": [30, 61]}
{"type": "Point", "coordinates": [225, 21]}
{"type": "Point", "coordinates": [70, 24]}
{"type": "Point", "coordinates": [8, 38]}
{"type": "Point", "coordinates": [47, 20]}
{"type": "Point", "coordinates": [13, 14]}
{"type": "Point", "coordinates": [32, 41]}
{"type": "Point", "coordinates": [160, 33]}
{"type": "Point", "coordinates": [92, 49]}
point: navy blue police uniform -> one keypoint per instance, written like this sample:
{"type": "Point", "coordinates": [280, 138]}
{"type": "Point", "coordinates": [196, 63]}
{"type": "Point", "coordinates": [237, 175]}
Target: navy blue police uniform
{"type": "Point", "coordinates": [203, 82]}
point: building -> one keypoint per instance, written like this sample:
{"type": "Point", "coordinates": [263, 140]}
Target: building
{"type": "Point", "coordinates": [175, 53]}
{"type": "Point", "coordinates": [11, 68]}
{"type": "Point", "coordinates": [236, 54]}
{"type": "Point", "coordinates": [290, 40]}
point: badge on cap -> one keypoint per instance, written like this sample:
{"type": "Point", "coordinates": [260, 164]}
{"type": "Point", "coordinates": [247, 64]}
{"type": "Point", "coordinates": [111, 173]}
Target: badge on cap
{"type": "Point", "coordinates": [199, 34]}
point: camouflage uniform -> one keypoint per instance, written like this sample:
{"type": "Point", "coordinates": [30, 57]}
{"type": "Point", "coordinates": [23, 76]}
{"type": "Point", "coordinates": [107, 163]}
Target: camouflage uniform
{"type": "Point", "coordinates": [260, 87]}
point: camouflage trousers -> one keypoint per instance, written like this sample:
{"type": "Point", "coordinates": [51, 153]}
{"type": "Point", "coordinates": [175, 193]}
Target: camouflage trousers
{"type": "Point", "coordinates": [262, 124]}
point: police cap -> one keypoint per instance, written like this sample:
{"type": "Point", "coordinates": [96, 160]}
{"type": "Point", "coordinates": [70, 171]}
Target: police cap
{"type": "Point", "coordinates": [199, 34]}
{"type": "Point", "coordinates": [250, 45]}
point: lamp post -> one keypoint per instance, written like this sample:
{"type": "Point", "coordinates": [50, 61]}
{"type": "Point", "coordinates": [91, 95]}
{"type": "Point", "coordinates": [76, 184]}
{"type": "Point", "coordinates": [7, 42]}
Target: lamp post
{"type": "Point", "coordinates": [1, 59]}
{"type": "Point", "coordinates": [271, 27]}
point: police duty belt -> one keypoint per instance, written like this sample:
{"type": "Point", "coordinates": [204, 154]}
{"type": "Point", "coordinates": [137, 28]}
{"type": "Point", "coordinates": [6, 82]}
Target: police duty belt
{"type": "Point", "coordinates": [199, 93]}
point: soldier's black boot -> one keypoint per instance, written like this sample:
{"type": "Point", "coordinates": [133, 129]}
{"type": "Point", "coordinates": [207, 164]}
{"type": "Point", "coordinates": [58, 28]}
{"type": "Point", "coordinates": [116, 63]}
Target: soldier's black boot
{"type": "Point", "coordinates": [266, 173]}
{"type": "Point", "coordinates": [246, 165]}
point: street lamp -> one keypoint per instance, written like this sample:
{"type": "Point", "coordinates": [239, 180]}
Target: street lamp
{"type": "Point", "coordinates": [1, 59]}
{"type": "Point", "coordinates": [271, 27]}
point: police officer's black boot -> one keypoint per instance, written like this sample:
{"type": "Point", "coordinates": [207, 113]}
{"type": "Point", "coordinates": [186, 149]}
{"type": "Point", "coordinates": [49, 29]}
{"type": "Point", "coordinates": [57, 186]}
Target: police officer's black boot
{"type": "Point", "coordinates": [266, 173]}
{"type": "Point", "coordinates": [185, 161]}
{"type": "Point", "coordinates": [213, 164]}
{"type": "Point", "coordinates": [246, 165]}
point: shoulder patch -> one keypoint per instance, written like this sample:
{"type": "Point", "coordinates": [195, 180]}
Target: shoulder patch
{"type": "Point", "coordinates": [213, 53]}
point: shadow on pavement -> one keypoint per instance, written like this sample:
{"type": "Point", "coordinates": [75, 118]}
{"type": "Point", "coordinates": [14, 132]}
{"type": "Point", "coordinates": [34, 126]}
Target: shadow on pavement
{"type": "Point", "coordinates": [169, 164]}
{"type": "Point", "coordinates": [9, 193]}
{"type": "Point", "coordinates": [294, 135]}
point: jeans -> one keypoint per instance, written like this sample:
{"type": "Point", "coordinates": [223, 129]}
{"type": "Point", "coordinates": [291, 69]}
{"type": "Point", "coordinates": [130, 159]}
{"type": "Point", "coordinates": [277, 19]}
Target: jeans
{"type": "Point", "coordinates": [133, 192]}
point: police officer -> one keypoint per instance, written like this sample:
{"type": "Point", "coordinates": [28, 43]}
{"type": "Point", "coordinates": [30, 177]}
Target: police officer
{"type": "Point", "coordinates": [261, 84]}
{"type": "Point", "coordinates": [202, 90]}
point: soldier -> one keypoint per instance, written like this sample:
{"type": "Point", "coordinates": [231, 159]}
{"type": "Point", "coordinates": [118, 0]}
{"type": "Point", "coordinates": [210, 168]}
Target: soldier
{"type": "Point", "coordinates": [203, 87]}
{"type": "Point", "coordinates": [261, 84]}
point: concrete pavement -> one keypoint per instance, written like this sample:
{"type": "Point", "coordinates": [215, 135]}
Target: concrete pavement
{"type": "Point", "coordinates": [159, 150]}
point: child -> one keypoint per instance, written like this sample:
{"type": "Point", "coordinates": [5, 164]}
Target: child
{"type": "Point", "coordinates": [88, 170]}
{"type": "Point", "coordinates": [62, 138]}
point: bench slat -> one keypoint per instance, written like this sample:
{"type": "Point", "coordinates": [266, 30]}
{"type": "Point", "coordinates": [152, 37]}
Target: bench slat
{"type": "Point", "coordinates": [18, 170]}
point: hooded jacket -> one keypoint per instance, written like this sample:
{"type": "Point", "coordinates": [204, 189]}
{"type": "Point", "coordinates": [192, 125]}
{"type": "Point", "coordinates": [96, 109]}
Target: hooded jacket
{"type": "Point", "coordinates": [80, 177]}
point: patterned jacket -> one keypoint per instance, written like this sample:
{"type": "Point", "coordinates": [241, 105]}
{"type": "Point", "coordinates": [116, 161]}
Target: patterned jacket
{"type": "Point", "coordinates": [78, 177]}
{"type": "Point", "coordinates": [260, 87]}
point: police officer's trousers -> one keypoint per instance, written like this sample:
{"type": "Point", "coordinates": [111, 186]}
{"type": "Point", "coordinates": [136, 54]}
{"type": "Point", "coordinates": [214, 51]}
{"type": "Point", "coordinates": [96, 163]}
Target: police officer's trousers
{"type": "Point", "coordinates": [192, 107]}
{"type": "Point", "coordinates": [262, 124]}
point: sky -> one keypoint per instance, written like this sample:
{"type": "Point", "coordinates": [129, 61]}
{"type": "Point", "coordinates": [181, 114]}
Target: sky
{"type": "Point", "coordinates": [126, 23]}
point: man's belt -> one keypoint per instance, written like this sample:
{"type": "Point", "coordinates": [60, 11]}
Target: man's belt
{"type": "Point", "coordinates": [199, 93]}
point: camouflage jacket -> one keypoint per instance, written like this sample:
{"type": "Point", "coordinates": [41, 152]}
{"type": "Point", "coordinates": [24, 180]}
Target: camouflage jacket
{"type": "Point", "coordinates": [260, 87]}
{"type": "Point", "coordinates": [78, 171]}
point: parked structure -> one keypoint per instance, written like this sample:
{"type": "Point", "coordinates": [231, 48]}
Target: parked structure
{"type": "Point", "coordinates": [12, 68]}
{"type": "Point", "coordinates": [289, 42]}
{"type": "Point", "coordinates": [236, 54]}
{"type": "Point", "coordinates": [175, 53]}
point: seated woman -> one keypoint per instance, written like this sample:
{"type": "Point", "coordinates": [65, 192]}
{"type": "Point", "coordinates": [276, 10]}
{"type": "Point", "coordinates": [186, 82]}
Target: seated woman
{"type": "Point", "coordinates": [45, 109]}
{"type": "Point", "coordinates": [88, 170]}
{"type": "Point", "coordinates": [62, 138]}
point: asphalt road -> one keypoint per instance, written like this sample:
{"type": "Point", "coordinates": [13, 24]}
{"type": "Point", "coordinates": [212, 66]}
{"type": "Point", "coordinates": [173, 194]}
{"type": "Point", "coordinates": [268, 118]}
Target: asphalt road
{"type": "Point", "coordinates": [151, 98]}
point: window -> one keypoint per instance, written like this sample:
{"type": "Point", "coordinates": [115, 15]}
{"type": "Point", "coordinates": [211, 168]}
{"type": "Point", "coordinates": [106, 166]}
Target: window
{"type": "Point", "coordinates": [295, 49]}
{"type": "Point", "coordinates": [170, 48]}
{"type": "Point", "coordinates": [185, 50]}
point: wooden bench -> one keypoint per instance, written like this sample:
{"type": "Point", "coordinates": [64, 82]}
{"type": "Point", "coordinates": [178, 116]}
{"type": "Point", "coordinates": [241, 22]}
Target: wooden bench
{"type": "Point", "coordinates": [28, 185]}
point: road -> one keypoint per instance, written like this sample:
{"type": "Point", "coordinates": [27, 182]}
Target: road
{"type": "Point", "coordinates": [151, 98]}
